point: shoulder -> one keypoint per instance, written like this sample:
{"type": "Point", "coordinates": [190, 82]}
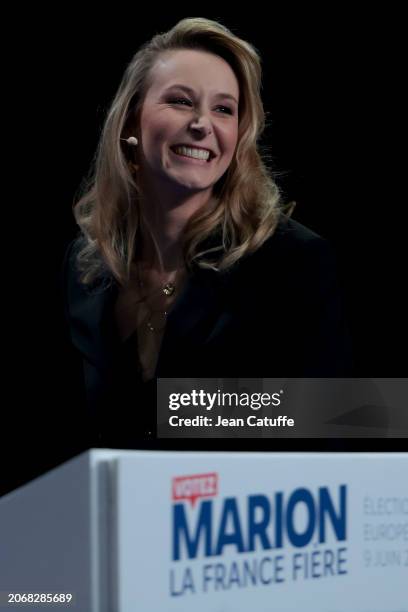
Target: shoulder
{"type": "Point", "coordinates": [71, 276]}
{"type": "Point", "coordinates": [78, 257]}
{"type": "Point", "coordinates": [294, 246]}
{"type": "Point", "coordinates": [76, 294]}
{"type": "Point", "coordinates": [292, 235]}
{"type": "Point", "coordinates": [71, 254]}
{"type": "Point", "coordinates": [294, 262]}
{"type": "Point", "coordinates": [71, 286]}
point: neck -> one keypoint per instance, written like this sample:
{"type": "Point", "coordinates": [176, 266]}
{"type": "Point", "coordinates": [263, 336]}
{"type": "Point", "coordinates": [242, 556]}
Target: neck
{"type": "Point", "coordinates": [163, 224]}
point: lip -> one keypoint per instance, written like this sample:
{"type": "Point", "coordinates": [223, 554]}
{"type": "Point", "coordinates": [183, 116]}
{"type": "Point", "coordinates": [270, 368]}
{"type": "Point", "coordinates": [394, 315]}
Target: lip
{"type": "Point", "coordinates": [194, 146]}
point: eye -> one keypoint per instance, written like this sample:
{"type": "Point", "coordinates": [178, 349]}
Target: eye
{"type": "Point", "coordinates": [182, 101]}
{"type": "Point", "coordinates": [226, 110]}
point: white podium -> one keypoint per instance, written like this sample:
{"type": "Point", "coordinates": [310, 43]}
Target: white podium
{"type": "Point", "coordinates": [143, 531]}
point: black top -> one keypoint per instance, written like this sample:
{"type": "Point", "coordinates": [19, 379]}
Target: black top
{"type": "Point", "coordinates": [276, 313]}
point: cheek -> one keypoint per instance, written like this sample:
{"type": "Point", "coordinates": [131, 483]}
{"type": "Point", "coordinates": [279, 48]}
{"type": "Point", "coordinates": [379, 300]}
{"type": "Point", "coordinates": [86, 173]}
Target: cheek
{"type": "Point", "coordinates": [231, 140]}
{"type": "Point", "coordinates": [156, 131]}
{"type": "Point", "coordinates": [231, 137]}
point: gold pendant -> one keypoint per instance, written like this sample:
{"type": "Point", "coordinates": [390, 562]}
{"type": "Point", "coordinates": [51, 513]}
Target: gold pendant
{"type": "Point", "coordinates": [168, 289]}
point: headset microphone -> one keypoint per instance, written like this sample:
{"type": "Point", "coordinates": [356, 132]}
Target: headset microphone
{"type": "Point", "coordinates": [132, 140]}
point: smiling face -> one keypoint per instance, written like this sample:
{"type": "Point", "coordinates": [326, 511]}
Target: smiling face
{"type": "Point", "coordinates": [188, 127]}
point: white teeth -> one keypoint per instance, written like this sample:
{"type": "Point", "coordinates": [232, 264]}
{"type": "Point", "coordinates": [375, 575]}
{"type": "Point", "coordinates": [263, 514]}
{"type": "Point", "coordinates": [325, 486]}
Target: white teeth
{"type": "Point", "coordinates": [197, 153]}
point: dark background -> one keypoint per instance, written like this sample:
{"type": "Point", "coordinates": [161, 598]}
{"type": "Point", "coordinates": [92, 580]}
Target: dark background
{"type": "Point", "coordinates": [331, 94]}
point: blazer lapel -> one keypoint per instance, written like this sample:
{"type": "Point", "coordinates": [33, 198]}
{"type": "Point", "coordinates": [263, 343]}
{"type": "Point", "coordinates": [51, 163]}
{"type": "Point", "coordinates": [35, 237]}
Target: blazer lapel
{"type": "Point", "coordinates": [200, 312]}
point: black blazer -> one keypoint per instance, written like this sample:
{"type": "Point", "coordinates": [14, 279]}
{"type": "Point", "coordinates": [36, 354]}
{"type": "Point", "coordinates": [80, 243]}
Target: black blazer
{"type": "Point", "coordinates": [277, 313]}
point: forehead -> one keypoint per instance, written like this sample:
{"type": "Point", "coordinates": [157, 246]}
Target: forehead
{"type": "Point", "coordinates": [200, 70]}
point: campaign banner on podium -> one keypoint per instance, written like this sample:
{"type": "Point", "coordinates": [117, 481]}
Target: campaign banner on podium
{"type": "Point", "coordinates": [236, 531]}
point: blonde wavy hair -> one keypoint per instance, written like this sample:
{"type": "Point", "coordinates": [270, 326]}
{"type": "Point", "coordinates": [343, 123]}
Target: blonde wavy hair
{"type": "Point", "coordinates": [247, 198]}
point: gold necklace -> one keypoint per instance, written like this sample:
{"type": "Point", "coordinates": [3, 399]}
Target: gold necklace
{"type": "Point", "coordinates": [160, 315]}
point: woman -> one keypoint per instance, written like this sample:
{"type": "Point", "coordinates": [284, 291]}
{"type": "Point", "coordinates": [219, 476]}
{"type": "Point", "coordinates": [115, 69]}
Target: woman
{"type": "Point", "coordinates": [186, 265]}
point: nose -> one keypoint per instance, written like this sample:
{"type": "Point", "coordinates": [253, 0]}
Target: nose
{"type": "Point", "coordinates": [201, 125]}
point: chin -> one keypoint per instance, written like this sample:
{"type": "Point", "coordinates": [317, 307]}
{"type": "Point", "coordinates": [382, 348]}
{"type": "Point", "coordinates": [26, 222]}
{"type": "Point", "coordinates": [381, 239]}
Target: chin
{"type": "Point", "coordinates": [193, 185]}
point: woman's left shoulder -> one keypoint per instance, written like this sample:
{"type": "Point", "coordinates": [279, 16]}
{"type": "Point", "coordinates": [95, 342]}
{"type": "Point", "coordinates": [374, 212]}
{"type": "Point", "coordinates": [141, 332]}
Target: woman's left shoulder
{"type": "Point", "coordinates": [292, 235]}
{"type": "Point", "coordinates": [293, 245]}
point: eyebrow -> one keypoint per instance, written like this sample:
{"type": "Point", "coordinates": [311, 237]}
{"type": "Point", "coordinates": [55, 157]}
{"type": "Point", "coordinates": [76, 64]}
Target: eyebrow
{"type": "Point", "coordinates": [192, 92]}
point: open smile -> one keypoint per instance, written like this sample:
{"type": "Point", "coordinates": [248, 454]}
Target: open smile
{"type": "Point", "coordinates": [192, 154]}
